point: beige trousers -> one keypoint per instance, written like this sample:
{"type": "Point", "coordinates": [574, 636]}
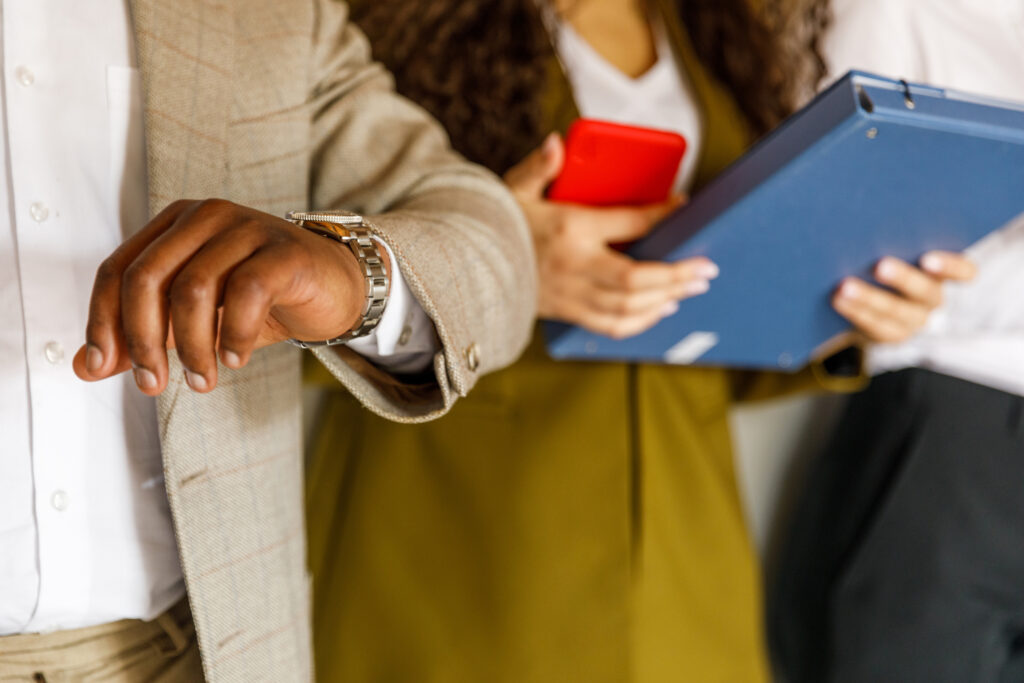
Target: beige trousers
{"type": "Point", "coordinates": [130, 651]}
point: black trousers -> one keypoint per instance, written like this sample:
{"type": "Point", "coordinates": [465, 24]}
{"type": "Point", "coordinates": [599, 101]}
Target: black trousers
{"type": "Point", "coordinates": [904, 558]}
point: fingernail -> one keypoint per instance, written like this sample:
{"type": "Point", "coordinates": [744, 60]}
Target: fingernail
{"type": "Point", "coordinates": [231, 359]}
{"type": "Point", "coordinates": [145, 379]}
{"type": "Point", "coordinates": [93, 358]}
{"type": "Point", "coordinates": [550, 145]}
{"type": "Point", "coordinates": [850, 290]}
{"type": "Point", "coordinates": [671, 308]}
{"type": "Point", "coordinates": [708, 271]}
{"type": "Point", "coordinates": [196, 381]}
{"type": "Point", "coordinates": [886, 270]}
{"type": "Point", "coordinates": [697, 287]}
{"type": "Point", "coordinates": [932, 263]}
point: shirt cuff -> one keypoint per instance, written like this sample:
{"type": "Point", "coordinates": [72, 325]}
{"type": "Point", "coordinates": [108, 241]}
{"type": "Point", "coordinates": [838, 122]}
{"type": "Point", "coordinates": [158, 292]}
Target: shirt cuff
{"type": "Point", "coordinates": [405, 341]}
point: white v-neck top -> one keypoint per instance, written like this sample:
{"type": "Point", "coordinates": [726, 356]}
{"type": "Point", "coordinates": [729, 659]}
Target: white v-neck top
{"type": "Point", "coordinates": [661, 98]}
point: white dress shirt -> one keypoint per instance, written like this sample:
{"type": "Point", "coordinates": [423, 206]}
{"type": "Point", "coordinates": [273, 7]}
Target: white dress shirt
{"type": "Point", "coordinates": [85, 531]}
{"type": "Point", "coordinates": [974, 46]}
{"type": "Point", "coordinates": [660, 98]}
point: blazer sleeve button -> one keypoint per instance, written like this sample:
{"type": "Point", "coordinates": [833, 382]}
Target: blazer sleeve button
{"type": "Point", "coordinates": [473, 357]}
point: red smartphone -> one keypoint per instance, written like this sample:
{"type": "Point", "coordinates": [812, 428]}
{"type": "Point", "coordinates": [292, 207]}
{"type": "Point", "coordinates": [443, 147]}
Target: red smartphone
{"type": "Point", "coordinates": [610, 164]}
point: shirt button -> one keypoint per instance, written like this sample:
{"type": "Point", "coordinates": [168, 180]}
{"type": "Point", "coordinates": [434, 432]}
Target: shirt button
{"type": "Point", "coordinates": [406, 335]}
{"type": "Point", "coordinates": [59, 500]}
{"type": "Point", "coordinates": [24, 76]}
{"type": "Point", "coordinates": [54, 353]}
{"type": "Point", "coordinates": [39, 212]}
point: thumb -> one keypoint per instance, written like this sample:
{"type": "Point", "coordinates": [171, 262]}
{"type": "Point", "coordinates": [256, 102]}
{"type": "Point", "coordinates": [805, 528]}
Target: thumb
{"type": "Point", "coordinates": [533, 174]}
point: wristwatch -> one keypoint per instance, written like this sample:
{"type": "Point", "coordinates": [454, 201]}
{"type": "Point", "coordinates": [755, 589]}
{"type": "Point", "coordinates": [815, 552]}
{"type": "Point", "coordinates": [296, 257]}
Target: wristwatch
{"type": "Point", "coordinates": [351, 230]}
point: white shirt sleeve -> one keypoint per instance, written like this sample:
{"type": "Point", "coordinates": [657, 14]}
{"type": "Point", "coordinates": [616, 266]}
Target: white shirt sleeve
{"type": "Point", "coordinates": [879, 36]}
{"type": "Point", "coordinates": [405, 341]}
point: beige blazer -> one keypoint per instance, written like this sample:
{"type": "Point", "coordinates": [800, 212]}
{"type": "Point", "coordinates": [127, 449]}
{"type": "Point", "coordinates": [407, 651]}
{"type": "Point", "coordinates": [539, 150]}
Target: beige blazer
{"type": "Point", "coordinates": [274, 104]}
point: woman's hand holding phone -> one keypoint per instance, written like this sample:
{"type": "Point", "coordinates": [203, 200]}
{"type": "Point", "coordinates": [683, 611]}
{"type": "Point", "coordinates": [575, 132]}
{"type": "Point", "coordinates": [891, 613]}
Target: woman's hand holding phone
{"type": "Point", "coordinates": [583, 280]}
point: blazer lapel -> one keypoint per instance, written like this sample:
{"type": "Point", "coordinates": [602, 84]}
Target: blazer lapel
{"type": "Point", "coordinates": [186, 51]}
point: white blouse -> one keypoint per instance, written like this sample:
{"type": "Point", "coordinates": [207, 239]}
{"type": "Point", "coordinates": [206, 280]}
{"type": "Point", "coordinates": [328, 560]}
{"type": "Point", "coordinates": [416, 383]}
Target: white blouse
{"type": "Point", "coordinates": [974, 46]}
{"type": "Point", "coordinates": [661, 98]}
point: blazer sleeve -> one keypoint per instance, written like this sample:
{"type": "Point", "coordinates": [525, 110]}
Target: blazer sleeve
{"type": "Point", "coordinates": [458, 236]}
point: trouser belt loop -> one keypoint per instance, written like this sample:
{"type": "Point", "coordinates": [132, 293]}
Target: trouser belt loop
{"type": "Point", "coordinates": [178, 639]}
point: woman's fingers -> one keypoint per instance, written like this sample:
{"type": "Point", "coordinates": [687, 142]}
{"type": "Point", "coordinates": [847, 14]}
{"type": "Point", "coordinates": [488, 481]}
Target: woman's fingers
{"type": "Point", "coordinates": [615, 312]}
{"type": "Point", "coordinates": [871, 325]}
{"type": "Point", "coordinates": [913, 283]}
{"type": "Point", "coordinates": [618, 326]}
{"type": "Point", "coordinates": [531, 176]}
{"type": "Point", "coordinates": [896, 316]}
{"type": "Point", "coordinates": [949, 266]}
{"type": "Point", "coordinates": [617, 271]}
{"type": "Point", "coordinates": [880, 315]}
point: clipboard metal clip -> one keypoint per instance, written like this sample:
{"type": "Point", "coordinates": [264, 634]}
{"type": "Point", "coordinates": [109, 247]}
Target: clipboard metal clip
{"type": "Point", "coordinates": [908, 97]}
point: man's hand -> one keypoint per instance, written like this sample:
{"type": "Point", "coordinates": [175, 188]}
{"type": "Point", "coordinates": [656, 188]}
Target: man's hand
{"type": "Point", "coordinates": [212, 278]}
{"type": "Point", "coordinates": [583, 280]}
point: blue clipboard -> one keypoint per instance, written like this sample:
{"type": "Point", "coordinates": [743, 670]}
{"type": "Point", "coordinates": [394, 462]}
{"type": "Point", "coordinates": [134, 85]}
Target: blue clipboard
{"type": "Point", "coordinates": [872, 167]}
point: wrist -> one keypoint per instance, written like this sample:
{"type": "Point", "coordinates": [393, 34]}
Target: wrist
{"type": "Point", "coordinates": [350, 288]}
{"type": "Point", "coordinates": [370, 271]}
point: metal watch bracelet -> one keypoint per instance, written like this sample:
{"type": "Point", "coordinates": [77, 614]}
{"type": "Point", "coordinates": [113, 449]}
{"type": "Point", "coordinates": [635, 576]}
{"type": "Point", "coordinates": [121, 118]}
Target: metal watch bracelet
{"type": "Point", "coordinates": [351, 230]}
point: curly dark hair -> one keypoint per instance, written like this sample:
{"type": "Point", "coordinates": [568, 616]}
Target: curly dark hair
{"type": "Point", "coordinates": [481, 66]}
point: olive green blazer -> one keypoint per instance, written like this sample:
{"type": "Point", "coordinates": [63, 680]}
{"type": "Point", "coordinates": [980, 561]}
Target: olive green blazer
{"type": "Point", "coordinates": [565, 522]}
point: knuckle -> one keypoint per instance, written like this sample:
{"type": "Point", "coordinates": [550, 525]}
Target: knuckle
{"type": "Point", "coordinates": [140, 275]}
{"type": "Point", "coordinates": [556, 262]}
{"type": "Point", "coordinates": [629, 279]}
{"type": "Point", "coordinates": [566, 228]}
{"type": "Point", "coordinates": [140, 349]}
{"type": "Point", "coordinates": [213, 209]}
{"type": "Point", "coordinates": [216, 205]}
{"type": "Point", "coordinates": [179, 205]}
{"type": "Point", "coordinates": [247, 286]}
{"type": "Point", "coordinates": [622, 306]}
{"type": "Point", "coordinates": [233, 337]}
{"type": "Point", "coordinates": [109, 270]}
{"type": "Point", "coordinates": [190, 289]}
{"type": "Point", "coordinates": [251, 224]}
